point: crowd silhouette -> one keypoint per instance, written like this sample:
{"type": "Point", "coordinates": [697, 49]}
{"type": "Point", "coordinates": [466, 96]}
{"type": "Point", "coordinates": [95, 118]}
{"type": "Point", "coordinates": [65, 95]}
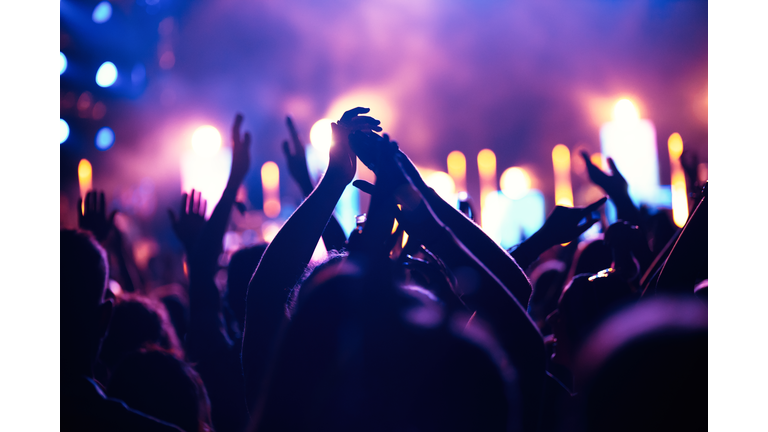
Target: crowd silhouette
{"type": "Point", "coordinates": [447, 332]}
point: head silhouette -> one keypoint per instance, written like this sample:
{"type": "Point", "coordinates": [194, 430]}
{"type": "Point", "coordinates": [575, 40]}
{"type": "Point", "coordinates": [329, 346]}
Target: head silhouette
{"type": "Point", "coordinates": [240, 270]}
{"type": "Point", "coordinates": [85, 315]}
{"type": "Point", "coordinates": [157, 383]}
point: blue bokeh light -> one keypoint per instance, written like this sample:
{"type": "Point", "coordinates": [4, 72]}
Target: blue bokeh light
{"type": "Point", "coordinates": [102, 12]}
{"type": "Point", "coordinates": [62, 62]}
{"type": "Point", "coordinates": [138, 74]}
{"type": "Point", "coordinates": [63, 131]}
{"type": "Point", "coordinates": [104, 138]}
{"type": "Point", "coordinates": [106, 75]}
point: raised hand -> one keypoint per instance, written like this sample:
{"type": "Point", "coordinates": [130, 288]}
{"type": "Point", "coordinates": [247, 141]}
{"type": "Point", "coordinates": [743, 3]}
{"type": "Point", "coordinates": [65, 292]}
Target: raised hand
{"type": "Point", "coordinates": [564, 224]}
{"type": "Point", "coordinates": [92, 217]}
{"type": "Point", "coordinates": [614, 185]}
{"type": "Point", "coordinates": [190, 221]}
{"type": "Point", "coordinates": [297, 160]}
{"type": "Point", "coordinates": [241, 154]}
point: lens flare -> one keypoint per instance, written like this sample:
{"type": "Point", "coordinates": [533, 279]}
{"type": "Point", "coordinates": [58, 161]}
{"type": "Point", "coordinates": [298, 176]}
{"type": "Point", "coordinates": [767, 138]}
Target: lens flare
{"type": "Point", "coordinates": [206, 140]}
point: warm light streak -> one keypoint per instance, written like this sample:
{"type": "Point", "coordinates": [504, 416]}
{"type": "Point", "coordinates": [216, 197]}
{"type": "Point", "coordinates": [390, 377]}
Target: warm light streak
{"type": "Point", "coordinates": [85, 179]}
{"type": "Point", "coordinates": [270, 181]}
{"type": "Point", "coordinates": [486, 165]}
{"type": "Point", "coordinates": [515, 182]}
{"type": "Point", "coordinates": [457, 168]}
{"type": "Point", "coordinates": [679, 193]}
{"type": "Point", "coordinates": [405, 240]}
{"type": "Point", "coordinates": [206, 140]}
{"type": "Point", "coordinates": [561, 160]}
{"type": "Point", "coordinates": [597, 160]}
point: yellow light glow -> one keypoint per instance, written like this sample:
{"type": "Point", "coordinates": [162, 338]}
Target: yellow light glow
{"type": "Point", "coordinates": [206, 140]}
{"type": "Point", "coordinates": [270, 175]}
{"type": "Point", "coordinates": [679, 192]}
{"type": "Point", "coordinates": [269, 230]}
{"type": "Point", "coordinates": [270, 181]}
{"type": "Point", "coordinates": [486, 165]}
{"type": "Point", "coordinates": [85, 179]}
{"type": "Point", "coordinates": [321, 135]}
{"type": "Point", "coordinates": [457, 168]}
{"type": "Point", "coordinates": [561, 160]}
{"type": "Point", "coordinates": [675, 145]}
{"type": "Point", "coordinates": [597, 160]}
{"type": "Point", "coordinates": [394, 226]}
{"type": "Point", "coordinates": [405, 240]}
{"type": "Point", "coordinates": [443, 184]}
{"type": "Point", "coordinates": [625, 110]}
{"type": "Point", "coordinates": [515, 182]}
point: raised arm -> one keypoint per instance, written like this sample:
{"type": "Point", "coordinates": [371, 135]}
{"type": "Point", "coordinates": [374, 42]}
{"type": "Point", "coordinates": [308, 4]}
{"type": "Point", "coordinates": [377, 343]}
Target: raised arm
{"type": "Point", "coordinates": [617, 189]}
{"type": "Point", "coordinates": [333, 235]}
{"type": "Point", "coordinates": [206, 327]}
{"type": "Point", "coordinates": [288, 254]}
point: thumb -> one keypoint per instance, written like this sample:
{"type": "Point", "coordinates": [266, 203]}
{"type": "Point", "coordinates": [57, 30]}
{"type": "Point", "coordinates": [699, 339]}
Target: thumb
{"type": "Point", "coordinates": [112, 217]}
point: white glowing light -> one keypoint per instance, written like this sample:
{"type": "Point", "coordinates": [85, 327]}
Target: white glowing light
{"type": "Point", "coordinates": [206, 141]}
{"type": "Point", "coordinates": [625, 110]}
{"type": "Point", "coordinates": [62, 63]}
{"type": "Point", "coordinates": [102, 12]}
{"type": "Point", "coordinates": [443, 184]}
{"type": "Point", "coordinates": [63, 131]}
{"type": "Point", "coordinates": [515, 183]}
{"type": "Point", "coordinates": [106, 75]}
{"type": "Point", "coordinates": [321, 135]}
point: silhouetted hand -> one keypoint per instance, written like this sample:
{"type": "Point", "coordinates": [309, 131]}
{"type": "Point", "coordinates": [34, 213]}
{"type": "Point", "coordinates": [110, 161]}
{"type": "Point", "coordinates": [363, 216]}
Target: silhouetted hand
{"type": "Point", "coordinates": [297, 160]}
{"type": "Point", "coordinates": [564, 224]}
{"type": "Point", "coordinates": [93, 216]}
{"type": "Point", "coordinates": [191, 220]}
{"type": "Point", "coordinates": [342, 163]}
{"type": "Point", "coordinates": [614, 185]}
{"type": "Point", "coordinates": [241, 154]}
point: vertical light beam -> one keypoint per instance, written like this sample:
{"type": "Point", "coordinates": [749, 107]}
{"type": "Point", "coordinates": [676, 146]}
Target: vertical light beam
{"type": "Point", "coordinates": [679, 193]}
{"type": "Point", "coordinates": [270, 180]}
{"type": "Point", "coordinates": [85, 179]}
{"type": "Point", "coordinates": [457, 168]}
{"type": "Point", "coordinates": [561, 160]}
{"type": "Point", "coordinates": [486, 165]}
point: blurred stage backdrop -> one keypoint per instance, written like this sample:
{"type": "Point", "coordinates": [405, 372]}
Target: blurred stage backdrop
{"type": "Point", "coordinates": [495, 99]}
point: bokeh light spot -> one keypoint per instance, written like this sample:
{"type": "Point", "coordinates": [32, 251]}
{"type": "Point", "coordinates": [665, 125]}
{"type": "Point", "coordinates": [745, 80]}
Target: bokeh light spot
{"type": "Point", "coordinates": [62, 63]}
{"type": "Point", "coordinates": [105, 137]}
{"type": "Point", "coordinates": [515, 183]}
{"type": "Point", "coordinates": [206, 141]}
{"type": "Point", "coordinates": [63, 131]}
{"type": "Point", "coordinates": [625, 110]}
{"type": "Point", "coordinates": [106, 75]}
{"type": "Point", "coordinates": [321, 135]}
{"type": "Point", "coordinates": [102, 12]}
{"type": "Point", "coordinates": [443, 184]}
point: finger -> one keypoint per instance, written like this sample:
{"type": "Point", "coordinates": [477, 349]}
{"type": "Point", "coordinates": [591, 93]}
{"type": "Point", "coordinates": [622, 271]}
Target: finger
{"type": "Point", "coordinates": [586, 225]}
{"type": "Point", "coordinates": [197, 202]}
{"type": "Point", "coordinates": [364, 119]}
{"type": "Point", "coordinates": [203, 207]}
{"type": "Point", "coordinates": [247, 144]}
{"type": "Point", "coordinates": [172, 216]}
{"type": "Point", "coordinates": [297, 146]}
{"type": "Point", "coordinates": [587, 160]}
{"type": "Point", "coordinates": [90, 200]}
{"type": "Point", "coordinates": [353, 112]}
{"type": "Point", "coordinates": [614, 170]}
{"type": "Point", "coordinates": [112, 217]}
{"type": "Point", "coordinates": [596, 205]}
{"type": "Point", "coordinates": [191, 204]}
{"type": "Point", "coordinates": [363, 186]}
{"type": "Point", "coordinates": [236, 128]}
{"type": "Point", "coordinates": [183, 208]}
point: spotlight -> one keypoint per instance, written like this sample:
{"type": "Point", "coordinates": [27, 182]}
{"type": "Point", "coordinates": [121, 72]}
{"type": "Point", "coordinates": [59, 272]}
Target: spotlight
{"type": "Point", "coordinates": [104, 138]}
{"type": "Point", "coordinates": [106, 75]}
{"type": "Point", "coordinates": [102, 12]}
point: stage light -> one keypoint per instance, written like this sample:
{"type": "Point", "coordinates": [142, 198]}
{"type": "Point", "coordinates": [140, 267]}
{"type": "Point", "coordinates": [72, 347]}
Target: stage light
{"type": "Point", "coordinates": [206, 140]}
{"type": "Point", "coordinates": [625, 110]}
{"type": "Point", "coordinates": [321, 135]}
{"type": "Point", "coordinates": [270, 181]}
{"type": "Point", "coordinates": [486, 165]}
{"type": "Point", "coordinates": [457, 168]}
{"type": "Point", "coordinates": [106, 75]}
{"type": "Point", "coordinates": [515, 183]}
{"type": "Point", "coordinates": [105, 137]}
{"type": "Point", "coordinates": [102, 12]}
{"type": "Point", "coordinates": [443, 184]}
{"type": "Point", "coordinates": [62, 62]}
{"type": "Point", "coordinates": [85, 179]}
{"type": "Point", "coordinates": [561, 161]}
{"type": "Point", "coordinates": [63, 131]}
{"type": "Point", "coordinates": [678, 186]}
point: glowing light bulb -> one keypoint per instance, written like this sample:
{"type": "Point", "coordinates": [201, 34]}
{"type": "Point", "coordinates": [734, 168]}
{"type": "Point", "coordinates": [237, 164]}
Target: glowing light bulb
{"type": "Point", "coordinates": [515, 183]}
{"type": "Point", "coordinates": [625, 110]}
{"type": "Point", "coordinates": [206, 140]}
{"type": "Point", "coordinates": [321, 135]}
